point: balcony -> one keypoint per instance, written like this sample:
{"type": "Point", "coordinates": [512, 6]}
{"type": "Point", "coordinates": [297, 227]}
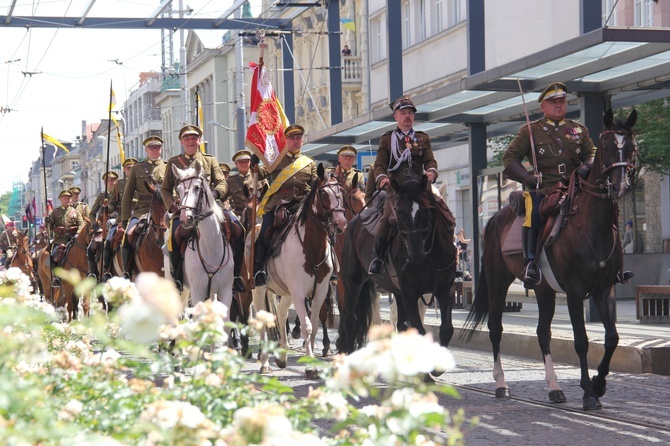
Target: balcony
{"type": "Point", "coordinates": [351, 72]}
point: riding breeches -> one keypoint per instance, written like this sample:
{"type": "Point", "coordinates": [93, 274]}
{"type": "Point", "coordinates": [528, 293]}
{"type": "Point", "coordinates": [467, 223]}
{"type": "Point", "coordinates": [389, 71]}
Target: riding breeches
{"type": "Point", "coordinates": [532, 202]}
{"type": "Point", "coordinates": [131, 223]}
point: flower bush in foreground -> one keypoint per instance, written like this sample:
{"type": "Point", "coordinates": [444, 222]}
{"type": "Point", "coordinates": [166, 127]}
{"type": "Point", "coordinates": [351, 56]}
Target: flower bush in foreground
{"type": "Point", "coordinates": [105, 381]}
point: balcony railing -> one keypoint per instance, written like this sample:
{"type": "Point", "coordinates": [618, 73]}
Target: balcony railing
{"type": "Point", "coordinates": [351, 71]}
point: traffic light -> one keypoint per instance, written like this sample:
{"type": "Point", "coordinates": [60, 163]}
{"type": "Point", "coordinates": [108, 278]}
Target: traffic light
{"type": "Point", "coordinates": [25, 222]}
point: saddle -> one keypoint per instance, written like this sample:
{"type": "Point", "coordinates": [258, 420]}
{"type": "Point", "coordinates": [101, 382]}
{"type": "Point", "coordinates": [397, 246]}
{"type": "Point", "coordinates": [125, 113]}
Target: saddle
{"type": "Point", "coordinates": [59, 252]}
{"type": "Point", "coordinates": [275, 235]}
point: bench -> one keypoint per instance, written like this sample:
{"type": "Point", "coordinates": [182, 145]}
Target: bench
{"type": "Point", "coordinates": [652, 304]}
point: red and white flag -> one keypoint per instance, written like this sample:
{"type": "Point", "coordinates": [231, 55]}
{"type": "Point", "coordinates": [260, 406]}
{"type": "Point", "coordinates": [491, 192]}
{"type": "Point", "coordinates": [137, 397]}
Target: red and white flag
{"type": "Point", "coordinates": [265, 135]}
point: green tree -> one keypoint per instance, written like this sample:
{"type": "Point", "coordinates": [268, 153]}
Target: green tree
{"type": "Point", "coordinates": [497, 145]}
{"type": "Point", "coordinates": [653, 130]}
{"type": "Point", "coordinates": [4, 201]}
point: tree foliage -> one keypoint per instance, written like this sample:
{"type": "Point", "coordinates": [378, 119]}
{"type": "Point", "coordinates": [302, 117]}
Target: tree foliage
{"type": "Point", "coordinates": [653, 134]}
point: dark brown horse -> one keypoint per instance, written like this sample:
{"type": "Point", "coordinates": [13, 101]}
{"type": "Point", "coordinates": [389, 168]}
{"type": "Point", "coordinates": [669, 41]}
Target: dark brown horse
{"type": "Point", "coordinates": [149, 241]}
{"type": "Point", "coordinates": [75, 259]}
{"type": "Point", "coordinates": [583, 262]}
{"type": "Point", "coordinates": [21, 258]}
{"type": "Point", "coordinates": [422, 259]}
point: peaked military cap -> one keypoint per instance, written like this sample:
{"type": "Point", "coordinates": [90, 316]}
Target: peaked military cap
{"type": "Point", "coordinates": [243, 154]}
{"type": "Point", "coordinates": [190, 130]}
{"type": "Point", "coordinates": [153, 139]}
{"type": "Point", "coordinates": [65, 193]}
{"type": "Point", "coordinates": [402, 102]}
{"type": "Point", "coordinates": [224, 167]}
{"type": "Point", "coordinates": [130, 162]}
{"type": "Point", "coordinates": [555, 90]}
{"type": "Point", "coordinates": [110, 174]}
{"type": "Point", "coordinates": [347, 150]}
{"type": "Point", "coordinates": [75, 190]}
{"type": "Point", "coordinates": [294, 129]}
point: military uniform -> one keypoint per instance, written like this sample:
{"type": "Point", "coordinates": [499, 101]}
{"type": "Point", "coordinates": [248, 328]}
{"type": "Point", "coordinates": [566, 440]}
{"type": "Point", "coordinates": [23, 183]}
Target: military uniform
{"type": "Point", "coordinates": [210, 168]}
{"type": "Point", "coordinates": [370, 184]}
{"type": "Point", "coordinates": [62, 221]}
{"type": "Point", "coordinates": [149, 171]}
{"type": "Point", "coordinates": [235, 193]}
{"type": "Point", "coordinates": [82, 207]}
{"type": "Point", "coordinates": [560, 147]}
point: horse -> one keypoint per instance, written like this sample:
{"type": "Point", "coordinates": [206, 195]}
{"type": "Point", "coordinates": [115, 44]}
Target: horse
{"type": "Point", "coordinates": [422, 259]}
{"type": "Point", "coordinates": [303, 267]}
{"type": "Point", "coordinates": [75, 259]}
{"type": "Point", "coordinates": [150, 239]}
{"type": "Point", "coordinates": [22, 258]}
{"type": "Point", "coordinates": [582, 262]}
{"type": "Point", "coordinates": [208, 257]}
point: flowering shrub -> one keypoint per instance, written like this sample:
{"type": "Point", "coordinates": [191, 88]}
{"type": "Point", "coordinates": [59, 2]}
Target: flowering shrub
{"type": "Point", "coordinates": [105, 381]}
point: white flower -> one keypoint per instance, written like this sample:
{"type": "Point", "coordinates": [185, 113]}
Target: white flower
{"type": "Point", "coordinates": [140, 321]}
{"type": "Point", "coordinates": [161, 293]}
{"type": "Point", "coordinates": [118, 291]}
{"type": "Point", "coordinates": [71, 410]}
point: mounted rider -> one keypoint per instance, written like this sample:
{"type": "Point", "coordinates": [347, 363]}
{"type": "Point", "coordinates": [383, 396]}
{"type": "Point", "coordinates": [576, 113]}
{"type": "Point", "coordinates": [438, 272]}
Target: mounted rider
{"type": "Point", "coordinates": [81, 206]}
{"type": "Point", "coordinates": [403, 153]}
{"type": "Point", "coordinates": [98, 210]}
{"type": "Point", "coordinates": [561, 146]}
{"type": "Point", "coordinates": [152, 171]}
{"type": "Point", "coordinates": [189, 136]}
{"type": "Point", "coordinates": [344, 170]}
{"type": "Point", "coordinates": [291, 181]}
{"type": "Point", "coordinates": [64, 221]}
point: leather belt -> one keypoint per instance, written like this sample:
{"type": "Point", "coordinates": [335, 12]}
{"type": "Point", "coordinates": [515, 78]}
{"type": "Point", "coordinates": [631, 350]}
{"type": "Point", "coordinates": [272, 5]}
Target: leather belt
{"type": "Point", "coordinates": [291, 191]}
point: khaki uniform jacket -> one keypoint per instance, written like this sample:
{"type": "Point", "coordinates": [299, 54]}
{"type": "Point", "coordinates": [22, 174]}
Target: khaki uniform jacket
{"type": "Point", "coordinates": [296, 187]}
{"type": "Point", "coordinates": [61, 219]}
{"type": "Point", "coordinates": [236, 190]}
{"type": "Point", "coordinates": [559, 149]}
{"type": "Point", "coordinates": [348, 176]}
{"type": "Point", "coordinates": [116, 196]}
{"type": "Point", "coordinates": [83, 209]}
{"type": "Point", "coordinates": [146, 171]}
{"type": "Point", "coordinates": [211, 170]}
{"type": "Point", "coordinates": [97, 204]}
{"type": "Point", "coordinates": [421, 157]}
{"type": "Point", "coordinates": [370, 185]}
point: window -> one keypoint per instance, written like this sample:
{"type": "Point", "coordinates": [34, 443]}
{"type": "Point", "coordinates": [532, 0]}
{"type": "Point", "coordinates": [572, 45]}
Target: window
{"type": "Point", "coordinates": [406, 26]}
{"type": "Point", "coordinates": [422, 32]}
{"type": "Point", "coordinates": [609, 14]}
{"type": "Point", "coordinates": [455, 12]}
{"type": "Point", "coordinates": [644, 13]}
{"type": "Point", "coordinates": [438, 21]}
{"type": "Point", "coordinates": [378, 37]}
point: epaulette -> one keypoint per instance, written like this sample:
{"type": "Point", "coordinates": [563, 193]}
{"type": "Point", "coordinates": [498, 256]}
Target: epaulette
{"type": "Point", "coordinates": [208, 154]}
{"type": "Point", "coordinates": [416, 132]}
{"type": "Point", "coordinates": [388, 133]}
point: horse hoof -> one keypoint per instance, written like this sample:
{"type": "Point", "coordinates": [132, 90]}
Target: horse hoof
{"type": "Point", "coordinates": [325, 352]}
{"type": "Point", "coordinates": [502, 393]}
{"type": "Point", "coordinates": [281, 364]}
{"type": "Point", "coordinates": [311, 374]}
{"type": "Point", "coordinates": [599, 385]}
{"type": "Point", "coordinates": [266, 370]}
{"type": "Point", "coordinates": [437, 373]}
{"type": "Point", "coordinates": [428, 378]}
{"type": "Point", "coordinates": [557, 396]}
{"type": "Point", "coordinates": [591, 403]}
{"type": "Point", "coordinates": [295, 334]}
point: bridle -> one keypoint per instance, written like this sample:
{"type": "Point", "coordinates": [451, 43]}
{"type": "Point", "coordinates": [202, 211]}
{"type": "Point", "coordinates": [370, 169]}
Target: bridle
{"type": "Point", "coordinates": [197, 215]}
{"type": "Point", "coordinates": [157, 223]}
{"type": "Point", "coordinates": [603, 187]}
{"type": "Point", "coordinates": [323, 215]}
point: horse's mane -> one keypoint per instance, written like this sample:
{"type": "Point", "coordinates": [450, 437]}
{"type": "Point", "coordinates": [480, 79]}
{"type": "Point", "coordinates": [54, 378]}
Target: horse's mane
{"type": "Point", "coordinates": [309, 198]}
{"type": "Point", "coordinates": [414, 189]}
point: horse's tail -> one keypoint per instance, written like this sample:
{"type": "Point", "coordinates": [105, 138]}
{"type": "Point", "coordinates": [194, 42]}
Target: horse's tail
{"type": "Point", "coordinates": [479, 310]}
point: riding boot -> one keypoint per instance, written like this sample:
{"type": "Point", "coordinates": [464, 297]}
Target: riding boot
{"type": "Point", "coordinates": [260, 250]}
{"type": "Point", "coordinates": [93, 269]}
{"type": "Point", "coordinates": [377, 264]}
{"type": "Point", "coordinates": [176, 269]}
{"type": "Point", "coordinates": [107, 258]}
{"type": "Point", "coordinates": [238, 259]}
{"type": "Point", "coordinates": [532, 276]}
{"type": "Point", "coordinates": [127, 258]}
{"type": "Point", "coordinates": [55, 282]}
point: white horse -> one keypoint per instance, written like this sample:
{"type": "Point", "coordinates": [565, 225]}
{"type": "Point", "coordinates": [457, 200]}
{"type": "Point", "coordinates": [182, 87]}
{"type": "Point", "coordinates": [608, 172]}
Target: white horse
{"type": "Point", "coordinates": [208, 259]}
{"type": "Point", "coordinates": [304, 265]}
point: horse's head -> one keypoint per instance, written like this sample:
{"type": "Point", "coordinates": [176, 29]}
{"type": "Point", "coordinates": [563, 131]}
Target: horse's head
{"type": "Point", "coordinates": [326, 200]}
{"type": "Point", "coordinates": [615, 159]}
{"type": "Point", "coordinates": [354, 196]}
{"type": "Point", "coordinates": [195, 198]}
{"type": "Point", "coordinates": [157, 211]}
{"type": "Point", "coordinates": [414, 215]}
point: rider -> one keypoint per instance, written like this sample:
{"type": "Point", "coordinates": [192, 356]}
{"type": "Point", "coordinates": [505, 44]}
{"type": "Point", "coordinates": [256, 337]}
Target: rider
{"type": "Point", "coordinates": [152, 171]}
{"type": "Point", "coordinates": [238, 199]}
{"type": "Point", "coordinates": [189, 136]}
{"type": "Point", "coordinates": [402, 153]}
{"type": "Point", "coordinates": [344, 169]}
{"type": "Point", "coordinates": [562, 145]}
{"type": "Point", "coordinates": [291, 181]}
{"type": "Point", "coordinates": [81, 206]}
{"type": "Point", "coordinates": [99, 207]}
{"type": "Point", "coordinates": [63, 221]}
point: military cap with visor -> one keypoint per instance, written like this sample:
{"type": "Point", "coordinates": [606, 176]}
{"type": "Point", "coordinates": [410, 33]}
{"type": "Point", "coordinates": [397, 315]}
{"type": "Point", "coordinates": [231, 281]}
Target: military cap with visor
{"type": "Point", "coordinates": [152, 140]}
{"type": "Point", "coordinates": [554, 90]}
{"type": "Point", "coordinates": [190, 130]}
{"type": "Point", "coordinates": [110, 174]}
{"type": "Point", "coordinates": [130, 162]}
{"type": "Point", "coordinates": [65, 193]}
{"type": "Point", "coordinates": [242, 155]}
{"type": "Point", "coordinates": [75, 190]}
{"type": "Point", "coordinates": [347, 150]}
{"type": "Point", "coordinates": [294, 129]}
{"type": "Point", "coordinates": [402, 102]}
{"type": "Point", "coordinates": [224, 167]}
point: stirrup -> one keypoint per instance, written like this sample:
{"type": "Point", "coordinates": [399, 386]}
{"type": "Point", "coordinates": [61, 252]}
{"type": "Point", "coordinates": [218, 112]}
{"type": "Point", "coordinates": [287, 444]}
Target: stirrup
{"type": "Point", "coordinates": [126, 275]}
{"type": "Point", "coordinates": [55, 282]}
{"type": "Point", "coordinates": [625, 277]}
{"type": "Point", "coordinates": [260, 278]}
{"type": "Point", "coordinates": [95, 276]}
{"type": "Point", "coordinates": [532, 275]}
{"type": "Point", "coordinates": [238, 284]}
{"type": "Point", "coordinates": [179, 285]}
{"type": "Point", "coordinates": [376, 266]}
{"type": "Point", "coordinates": [106, 276]}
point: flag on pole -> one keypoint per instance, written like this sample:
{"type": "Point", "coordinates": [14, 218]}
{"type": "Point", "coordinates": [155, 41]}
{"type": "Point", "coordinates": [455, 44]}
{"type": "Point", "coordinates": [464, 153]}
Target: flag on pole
{"type": "Point", "coordinates": [119, 134]}
{"type": "Point", "coordinates": [50, 206]}
{"type": "Point", "coordinates": [349, 24]}
{"type": "Point", "coordinates": [55, 142]}
{"type": "Point", "coordinates": [112, 100]}
{"type": "Point", "coordinates": [201, 121]}
{"type": "Point", "coordinates": [265, 135]}
{"type": "Point", "coordinates": [34, 207]}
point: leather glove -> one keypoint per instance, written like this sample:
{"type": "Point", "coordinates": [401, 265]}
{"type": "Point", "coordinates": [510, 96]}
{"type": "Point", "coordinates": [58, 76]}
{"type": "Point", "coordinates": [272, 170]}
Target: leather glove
{"type": "Point", "coordinates": [517, 172]}
{"type": "Point", "coordinates": [530, 182]}
{"type": "Point", "coordinates": [583, 170]}
{"type": "Point", "coordinates": [174, 208]}
{"type": "Point", "coordinates": [254, 161]}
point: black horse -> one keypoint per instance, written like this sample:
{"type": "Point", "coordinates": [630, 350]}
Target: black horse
{"type": "Point", "coordinates": [583, 262]}
{"type": "Point", "coordinates": [422, 260]}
